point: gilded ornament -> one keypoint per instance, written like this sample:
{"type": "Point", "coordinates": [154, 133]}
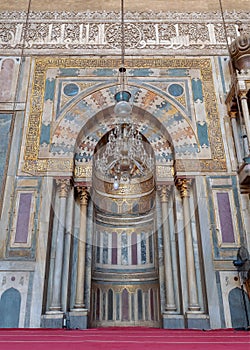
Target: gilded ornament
{"type": "Point", "coordinates": [83, 195]}
{"type": "Point", "coordinates": [183, 186]}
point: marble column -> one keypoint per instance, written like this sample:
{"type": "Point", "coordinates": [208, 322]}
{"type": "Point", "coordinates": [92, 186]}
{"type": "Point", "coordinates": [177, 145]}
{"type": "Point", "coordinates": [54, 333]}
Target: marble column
{"type": "Point", "coordinates": [80, 283]}
{"type": "Point", "coordinates": [170, 306]}
{"type": "Point", "coordinates": [63, 186]}
{"type": "Point", "coordinates": [67, 248]}
{"type": "Point", "coordinates": [244, 105]}
{"type": "Point", "coordinates": [183, 185]}
{"type": "Point", "coordinates": [233, 115]}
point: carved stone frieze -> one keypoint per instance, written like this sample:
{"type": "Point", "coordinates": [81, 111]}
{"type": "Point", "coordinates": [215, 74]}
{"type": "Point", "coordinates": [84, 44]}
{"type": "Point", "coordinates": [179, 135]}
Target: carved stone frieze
{"type": "Point", "coordinates": [190, 33]}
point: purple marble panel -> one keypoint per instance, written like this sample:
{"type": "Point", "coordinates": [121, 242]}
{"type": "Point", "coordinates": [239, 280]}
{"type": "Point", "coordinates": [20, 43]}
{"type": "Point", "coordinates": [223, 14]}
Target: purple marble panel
{"type": "Point", "coordinates": [134, 248]}
{"type": "Point", "coordinates": [125, 305]}
{"type": "Point", "coordinates": [114, 248]}
{"type": "Point", "coordinates": [23, 218]}
{"type": "Point", "coordinates": [225, 215]}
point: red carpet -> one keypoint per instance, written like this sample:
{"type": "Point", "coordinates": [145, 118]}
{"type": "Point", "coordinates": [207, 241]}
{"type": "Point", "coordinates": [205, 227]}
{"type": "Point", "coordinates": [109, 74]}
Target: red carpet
{"type": "Point", "coordinates": [123, 339]}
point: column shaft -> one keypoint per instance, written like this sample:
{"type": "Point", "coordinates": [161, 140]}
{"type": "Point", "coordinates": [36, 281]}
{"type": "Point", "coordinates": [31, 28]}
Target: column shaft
{"type": "Point", "coordinates": [246, 116]}
{"type": "Point", "coordinates": [170, 298]}
{"type": "Point", "coordinates": [67, 245]}
{"type": "Point", "coordinates": [193, 305]}
{"type": "Point", "coordinates": [236, 138]}
{"type": "Point", "coordinates": [79, 300]}
{"type": "Point", "coordinates": [56, 303]}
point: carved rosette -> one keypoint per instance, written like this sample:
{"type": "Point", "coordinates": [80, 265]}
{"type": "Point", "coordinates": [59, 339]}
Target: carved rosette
{"type": "Point", "coordinates": [63, 187]}
{"type": "Point", "coordinates": [183, 186]}
{"type": "Point", "coordinates": [83, 195]}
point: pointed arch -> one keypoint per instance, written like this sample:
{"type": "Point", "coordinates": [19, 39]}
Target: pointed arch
{"type": "Point", "coordinates": [86, 120]}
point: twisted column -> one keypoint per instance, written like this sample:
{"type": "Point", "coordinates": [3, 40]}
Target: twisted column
{"type": "Point", "coordinates": [170, 306]}
{"type": "Point", "coordinates": [183, 186]}
{"type": "Point", "coordinates": [63, 186]}
{"type": "Point", "coordinates": [79, 299]}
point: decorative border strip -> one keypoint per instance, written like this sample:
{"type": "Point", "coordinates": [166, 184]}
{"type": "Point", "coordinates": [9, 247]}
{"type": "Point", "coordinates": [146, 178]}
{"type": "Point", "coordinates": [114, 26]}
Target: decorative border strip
{"type": "Point", "coordinates": [168, 32]}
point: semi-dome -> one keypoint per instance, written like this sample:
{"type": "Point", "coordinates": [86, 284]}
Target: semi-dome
{"type": "Point", "coordinates": [240, 50]}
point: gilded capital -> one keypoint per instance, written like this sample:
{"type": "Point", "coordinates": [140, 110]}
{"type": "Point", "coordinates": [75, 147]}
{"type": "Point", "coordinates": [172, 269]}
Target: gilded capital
{"type": "Point", "coordinates": [233, 114]}
{"type": "Point", "coordinates": [83, 195]}
{"type": "Point", "coordinates": [164, 192]}
{"type": "Point", "coordinates": [183, 186]}
{"type": "Point", "coordinates": [63, 187]}
{"type": "Point", "coordinates": [243, 94]}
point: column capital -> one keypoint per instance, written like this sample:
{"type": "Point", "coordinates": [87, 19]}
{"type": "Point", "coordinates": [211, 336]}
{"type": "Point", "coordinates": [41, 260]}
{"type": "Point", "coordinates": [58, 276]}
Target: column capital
{"type": "Point", "coordinates": [183, 185]}
{"type": "Point", "coordinates": [164, 192]}
{"type": "Point", "coordinates": [243, 94]}
{"type": "Point", "coordinates": [63, 187]}
{"type": "Point", "coordinates": [83, 195]}
{"type": "Point", "coordinates": [233, 114]}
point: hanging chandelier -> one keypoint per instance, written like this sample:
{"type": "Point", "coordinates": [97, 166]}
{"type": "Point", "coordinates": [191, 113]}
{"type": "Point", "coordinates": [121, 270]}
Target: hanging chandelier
{"type": "Point", "coordinates": [126, 155]}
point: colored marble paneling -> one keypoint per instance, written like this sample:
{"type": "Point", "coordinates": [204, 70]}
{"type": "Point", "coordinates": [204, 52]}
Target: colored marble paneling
{"type": "Point", "coordinates": [175, 90]}
{"type": "Point", "coordinates": [105, 248]}
{"type": "Point", "coordinates": [45, 134]}
{"type": "Point", "coordinates": [177, 72]}
{"type": "Point", "coordinates": [5, 125]}
{"type": "Point", "coordinates": [124, 249]}
{"type": "Point", "coordinates": [114, 249]}
{"type": "Point", "coordinates": [225, 215]}
{"type": "Point", "coordinates": [105, 72]}
{"type": "Point", "coordinates": [142, 72]}
{"type": "Point", "coordinates": [49, 89]}
{"type": "Point", "coordinates": [125, 305]}
{"type": "Point", "coordinates": [71, 89]}
{"type": "Point", "coordinates": [202, 134]}
{"type": "Point", "coordinates": [239, 308]}
{"type": "Point", "coordinates": [10, 304]}
{"type": "Point", "coordinates": [134, 249]}
{"type": "Point", "coordinates": [139, 303]}
{"type": "Point", "coordinates": [6, 77]}
{"type": "Point", "coordinates": [143, 248]}
{"type": "Point", "coordinates": [69, 72]}
{"type": "Point", "coordinates": [23, 218]}
{"type": "Point", "coordinates": [197, 90]}
{"type": "Point", "coordinates": [110, 305]}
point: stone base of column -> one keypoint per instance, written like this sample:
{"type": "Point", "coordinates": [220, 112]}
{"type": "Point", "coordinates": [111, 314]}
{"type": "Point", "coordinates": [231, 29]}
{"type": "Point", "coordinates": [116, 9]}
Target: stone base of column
{"type": "Point", "coordinates": [78, 319]}
{"type": "Point", "coordinates": [197, 320]}
{"type": "Point", "coordinates": [172, 321]}
{"type": "Point", "coordinates": [52, 319]}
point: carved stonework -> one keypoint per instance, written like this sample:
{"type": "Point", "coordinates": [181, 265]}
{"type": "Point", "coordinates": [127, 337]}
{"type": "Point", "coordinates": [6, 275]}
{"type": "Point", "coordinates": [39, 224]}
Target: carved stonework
{"type": "Point", "coordinates": [193, 32]}
{"type": "Point", "coordinates": [63, 186]}
{"type": "Point", "coordinates": [183, 186]}
{"type": "Point", "coordinates": [164, 192]}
